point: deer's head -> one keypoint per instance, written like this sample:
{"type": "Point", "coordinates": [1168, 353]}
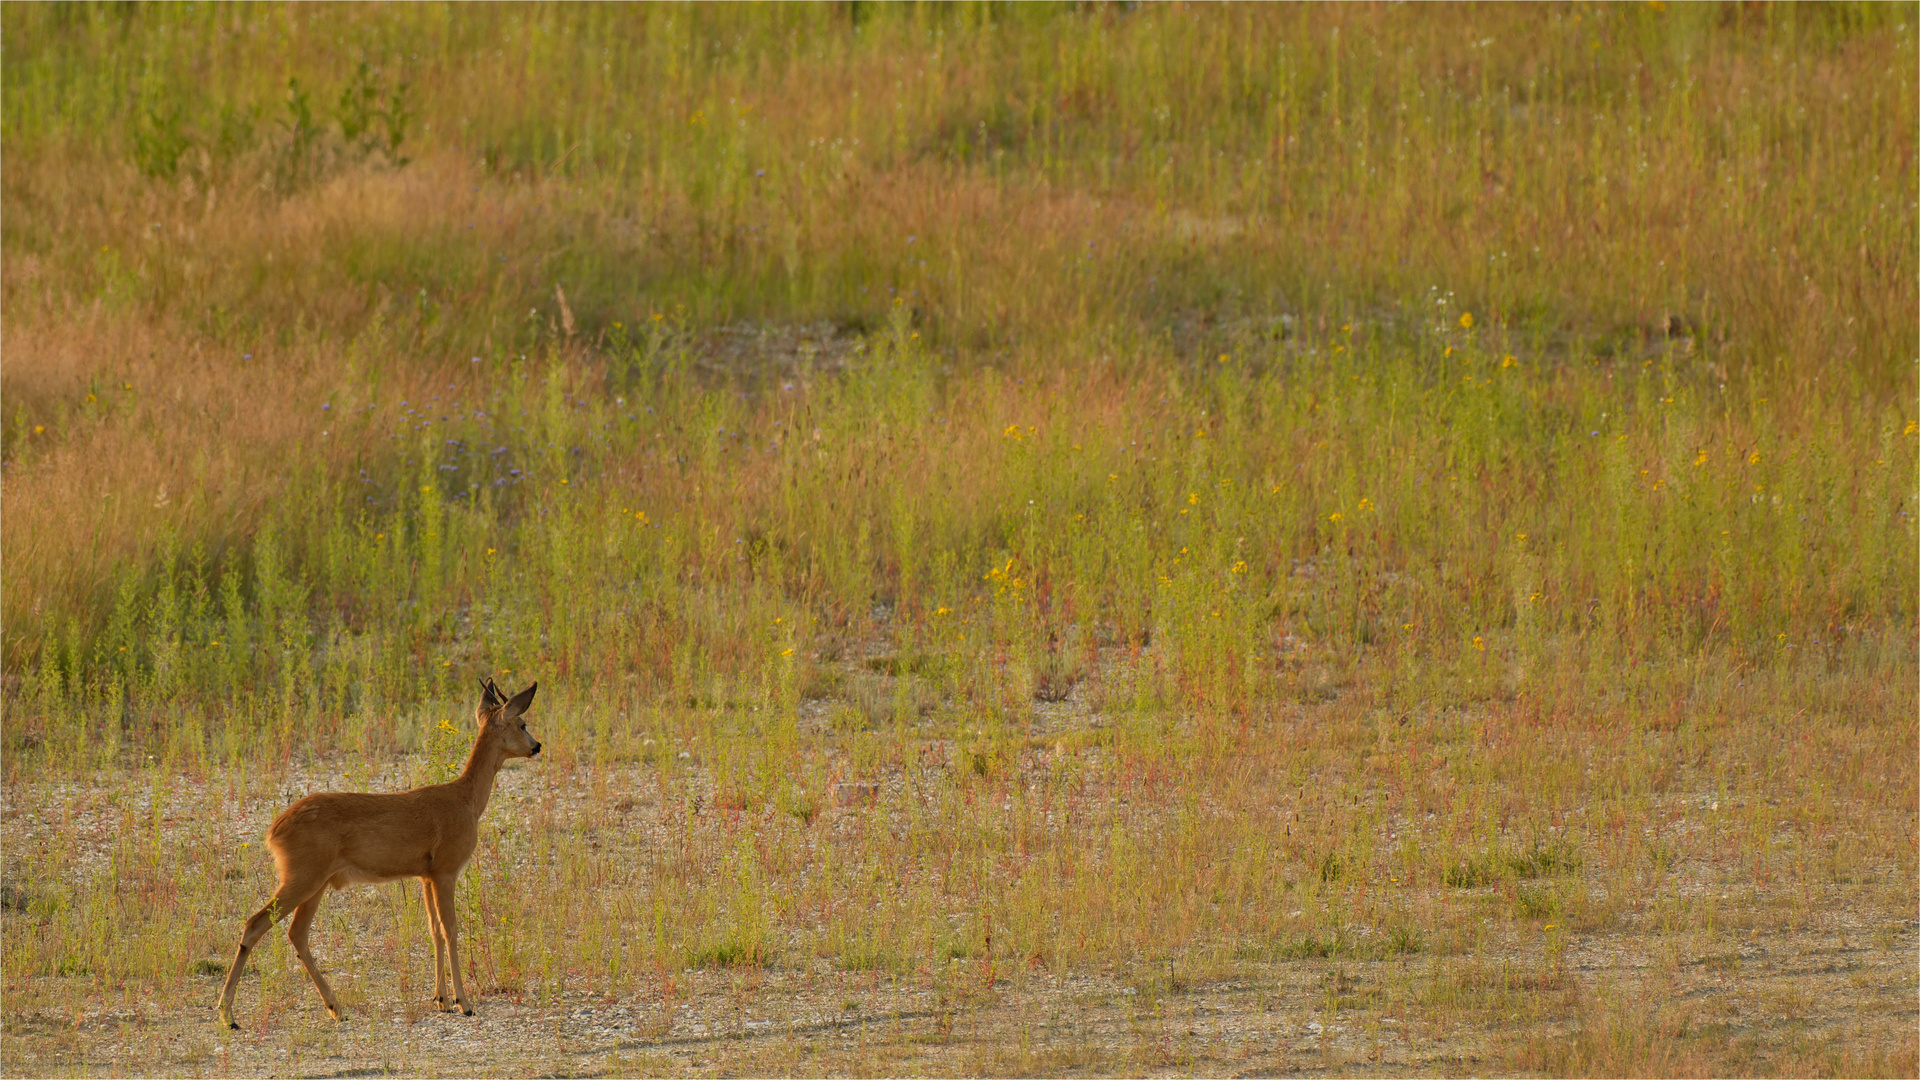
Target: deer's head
{"type": "Point", "coordinates": [501, 717]}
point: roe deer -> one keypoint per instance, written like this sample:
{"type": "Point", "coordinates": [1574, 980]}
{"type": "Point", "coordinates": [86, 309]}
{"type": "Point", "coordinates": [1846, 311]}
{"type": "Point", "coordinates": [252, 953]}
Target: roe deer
{"type": "Point", "coordinates": [341, 839]}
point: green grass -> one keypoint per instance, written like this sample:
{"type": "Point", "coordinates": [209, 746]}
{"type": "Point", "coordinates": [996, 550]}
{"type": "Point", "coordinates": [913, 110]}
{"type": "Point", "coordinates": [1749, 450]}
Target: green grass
{"type": "Point", "coordinates": [1017, 488]}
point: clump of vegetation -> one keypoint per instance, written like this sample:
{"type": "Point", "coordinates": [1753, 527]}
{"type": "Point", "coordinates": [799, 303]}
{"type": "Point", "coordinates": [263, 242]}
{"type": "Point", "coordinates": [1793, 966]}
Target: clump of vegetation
{"type": "Point", "coordinates": [732, 952]}
{"type": "Point", "coordinates": [1055, 676]}
{"type": "Point", "coordinates": [1342, 944]}
{"type": "Point", "coordinates": [866, 954]}
{"type": "Point", "coordinates": [1493, 866]}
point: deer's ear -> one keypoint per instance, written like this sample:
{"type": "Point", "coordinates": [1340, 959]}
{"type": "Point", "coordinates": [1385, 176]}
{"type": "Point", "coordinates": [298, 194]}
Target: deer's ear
{"type": "Point", "coordinates": [489, 694]}
{"type": "Point", "coordinates": [519, 702]}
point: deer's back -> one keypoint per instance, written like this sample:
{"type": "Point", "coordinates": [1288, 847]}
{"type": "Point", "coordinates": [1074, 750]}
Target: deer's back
{"type": "Point", "coordinates": [369, 837]}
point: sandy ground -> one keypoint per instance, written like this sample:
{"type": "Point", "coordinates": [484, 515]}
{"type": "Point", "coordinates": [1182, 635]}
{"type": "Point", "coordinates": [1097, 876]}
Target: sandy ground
{"type": "Point", "coordinates": [1820, 993]}
{"type": "Point", "coordinates": [1784, 986]}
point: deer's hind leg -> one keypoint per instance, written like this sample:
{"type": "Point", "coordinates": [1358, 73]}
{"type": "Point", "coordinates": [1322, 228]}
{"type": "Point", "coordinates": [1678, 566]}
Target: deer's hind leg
{"type": "Point", "coordinates": [297, 935]}
{"type": "Point", "coordinates": [441, 1000]}
{"type": "Point", "coordinates": [288, 897]}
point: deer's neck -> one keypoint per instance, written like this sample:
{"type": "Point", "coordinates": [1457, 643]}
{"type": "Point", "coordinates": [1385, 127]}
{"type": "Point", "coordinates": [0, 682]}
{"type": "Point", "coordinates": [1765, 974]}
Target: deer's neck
{"type": "Point", "coordinates": [482, 766]}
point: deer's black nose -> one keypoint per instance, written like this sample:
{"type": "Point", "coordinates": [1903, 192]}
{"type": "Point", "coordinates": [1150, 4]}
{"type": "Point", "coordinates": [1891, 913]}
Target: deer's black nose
{"type": "Point", "coordinates": [536, 749]}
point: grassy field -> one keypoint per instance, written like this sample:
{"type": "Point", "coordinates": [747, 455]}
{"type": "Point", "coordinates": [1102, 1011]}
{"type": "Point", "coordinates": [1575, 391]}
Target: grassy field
{"type": "Point", "coordinates": [1068, 539]}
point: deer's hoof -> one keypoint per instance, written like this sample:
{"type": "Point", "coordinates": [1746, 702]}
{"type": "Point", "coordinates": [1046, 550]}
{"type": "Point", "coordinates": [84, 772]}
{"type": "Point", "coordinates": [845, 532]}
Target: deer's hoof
{"type": "Point", "coordinates": [233, 1026]}
{"type": "Point", "coordinates": [469, 1012]}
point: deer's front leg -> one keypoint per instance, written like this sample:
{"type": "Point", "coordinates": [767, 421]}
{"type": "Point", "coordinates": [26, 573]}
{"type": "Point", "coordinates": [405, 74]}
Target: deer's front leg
{"type": "Point", "coordinates": [450, 925]}
{"type": "Point", "coordinates": [434, 927]}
